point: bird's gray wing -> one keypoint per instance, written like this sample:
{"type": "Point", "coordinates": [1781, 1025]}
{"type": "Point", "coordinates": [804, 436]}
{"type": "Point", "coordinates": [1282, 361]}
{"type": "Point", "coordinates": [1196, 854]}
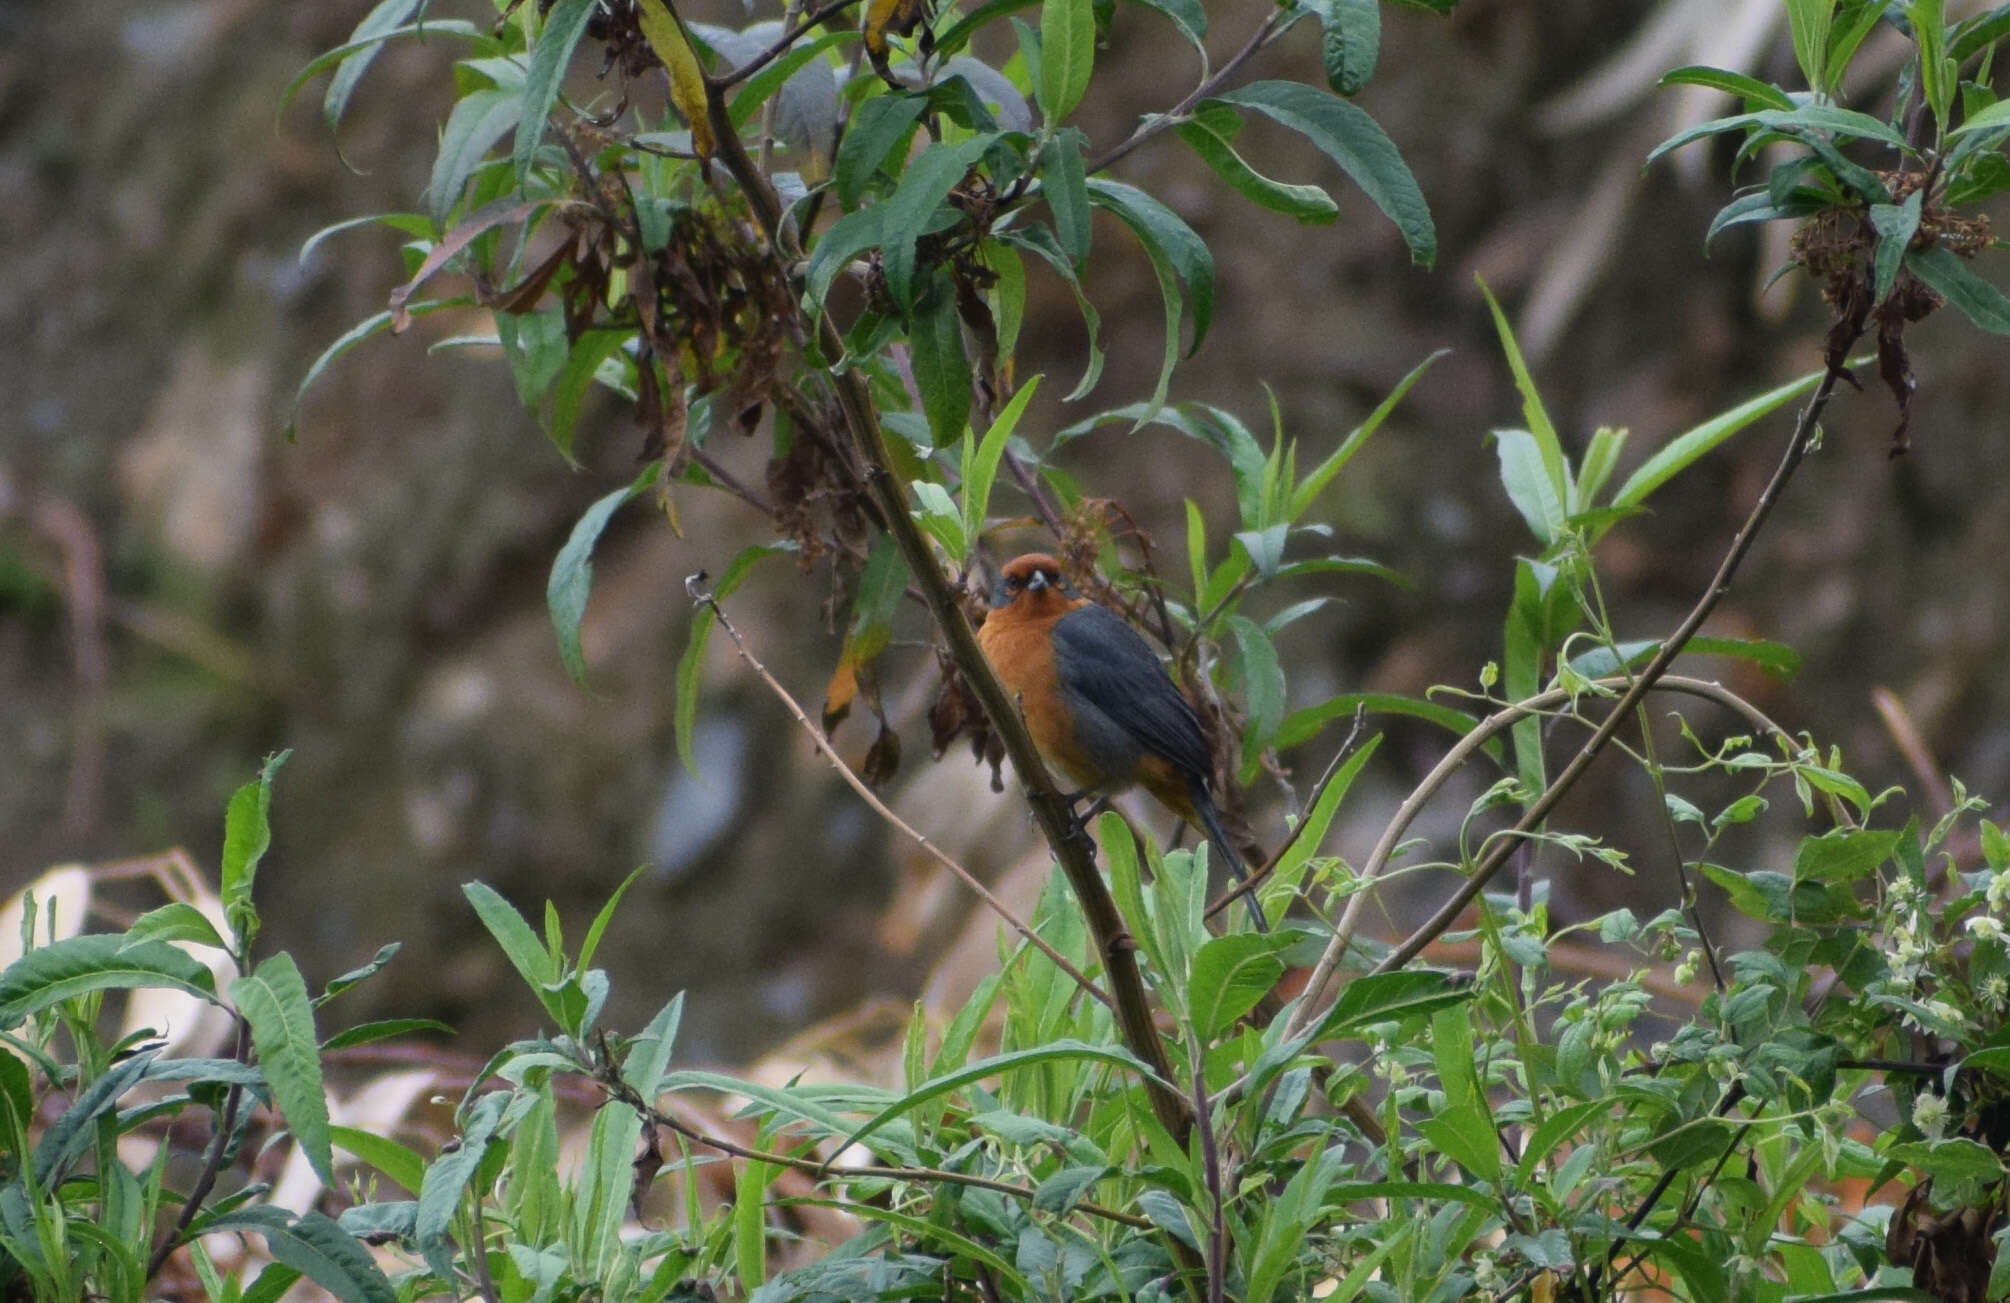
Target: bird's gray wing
{"type": "Point", "coordinates": [1111, 667]}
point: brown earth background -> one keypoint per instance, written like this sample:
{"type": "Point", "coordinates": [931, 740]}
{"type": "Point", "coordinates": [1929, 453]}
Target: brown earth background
{"type": "Point", "coordinates": [181, 591]}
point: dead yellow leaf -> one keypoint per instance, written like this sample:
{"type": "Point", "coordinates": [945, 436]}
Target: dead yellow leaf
{"type": "Point", "coordinates": [672, 44]}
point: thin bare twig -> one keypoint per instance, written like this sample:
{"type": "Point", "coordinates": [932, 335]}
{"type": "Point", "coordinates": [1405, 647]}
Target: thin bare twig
{"type": "Point", "coordinates": [1257, 875]}
{"type": "Point", "coordinates": [1720, 584]}
{"type": "Point", "coordinates": [1636, 688]}
{"type": "Point", "coordinates": [857, 784]}
{"type": "Point", "coordinates": [1462, 751]}
{"type": "Point", "coordinates": [1265, 32]}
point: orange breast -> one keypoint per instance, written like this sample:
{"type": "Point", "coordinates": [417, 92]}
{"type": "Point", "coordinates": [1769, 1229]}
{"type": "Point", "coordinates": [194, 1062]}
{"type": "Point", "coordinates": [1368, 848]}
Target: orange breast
{"type": "Point", "coordinates": [1021, 652]}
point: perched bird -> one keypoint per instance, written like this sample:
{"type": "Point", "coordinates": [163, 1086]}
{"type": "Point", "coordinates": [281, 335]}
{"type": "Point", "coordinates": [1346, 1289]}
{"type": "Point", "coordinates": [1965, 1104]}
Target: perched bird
{"type": "Point", "coordinates": [1099, 705]}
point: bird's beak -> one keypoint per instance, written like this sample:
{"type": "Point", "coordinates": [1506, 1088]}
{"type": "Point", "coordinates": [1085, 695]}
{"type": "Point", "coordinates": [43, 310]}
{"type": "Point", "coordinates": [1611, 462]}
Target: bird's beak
{"type": "Point", "coordinates": [1036, 582]}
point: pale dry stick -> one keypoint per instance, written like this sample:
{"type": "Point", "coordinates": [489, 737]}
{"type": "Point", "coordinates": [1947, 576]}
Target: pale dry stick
{"type": "Point", "coordinates": [857, 784]}
{"type": "Point", "coordinates": [1462, 751]}
{"type": "Point", "coordinates": [1797, 450]}
{"type": "Point", "coordinates": [1636, 689]}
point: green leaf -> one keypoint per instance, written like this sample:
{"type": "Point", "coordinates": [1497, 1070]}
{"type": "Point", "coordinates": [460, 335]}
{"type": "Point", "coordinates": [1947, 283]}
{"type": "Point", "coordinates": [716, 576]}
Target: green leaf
{"type": "Point", "coordinates": [51, 974]}
{"type": "Point", "coordinates": [1809, 22]}
{"type": "Point", "coordinates": [478, 121]}
{"type": "Point", "coordinates": [1750, 89]}
{"type": "Point", "coordinates": [1315, 483]}
{"type": "Point", "coordinates": [1301, 725]}
{"type": "Point", "coordinates": [394, 1160]}
{"type": "Point", "coordinates": [1187, 15]}
{"type": "Point", "coordinates": [648, 1055]}
{"type": "Point", "coordinates": [1067, 55]}
{"type": "Point", "coordinates": [519, 944]}
{"type": "Point", "coordinates": [369, 35]}
{"type": "Point", "coordinates": [908, 211]}
{"type": "Point", "coordinates": [1262, 684]}
{"type": "Point", "coordinates": [1808, 124]}
{"type": "Point", "coordinates": [941, 367]}
{"type": "Point", "coordinates": [1895, 224]}
{"type": "Point", "coordinates": [1549, 449]}
{"type": "Point", "coordinates": [1176, 254]}
{"type": "Point", "coordinates": [1686, 448]}
{"type": "Point", "coordinates": [571, 581]}
{"type": "Point", "coordinates": [877, 127]}
{"type": "Point", "coordinates": [585, 363]}
{"type": "Point", "coordinates": [274, 1000]}
{"type": "Point", "coordinates": [1041, 242]}
{"type": "Point", "coordinates": [982, 468]}
{"type": "Point", "coordinates": [447, 1179]}
{"type": "Point", "coordinates": [1209, 133]}
{"type": "Point", "coordinates": [848, 237]}
{"type": "Point", "coordinates": [368, 45]}
{"type": "Point", "coordinates": [357, 976]}
{"type": "Point", "coordinates": [1230, 974]}
{"type": "Point", "coordinates": [1307, 838]}
{"type": "Point", "coordinates": [1060, 1051]}
{"type": "Point", "coordinates": [1979, 301]}
{"type": "Point", "coordinates": [247, 833]}
{"type": "Point", "coordinates": [1843, 855]}
{"type": "Point", "coordinates": [564, 24]}
{"type": "Point", "coordinates": [314, 1245]}
{"type": "Point", "coordinates": [1388, 997]}
{"type": "Point", "coordinates": [370, 1033]}
{"type": "Point", "coordinates": [1066, 191]}
{"type": "Point", "coordinates": [1351, 38]}
{"type": "Point", "coordinates": [176, 921]}
{"type": "Point", "coordinates": [1465, 1116]}
{"type": "Point", "coordinates": [1347, 135]}
{"type": "Point", "coordinates": [1529, 486]}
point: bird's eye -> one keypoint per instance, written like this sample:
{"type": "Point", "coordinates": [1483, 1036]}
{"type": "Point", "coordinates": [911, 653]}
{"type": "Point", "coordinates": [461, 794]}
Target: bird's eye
{"type": "Point", "coordinates": [1014, 582]}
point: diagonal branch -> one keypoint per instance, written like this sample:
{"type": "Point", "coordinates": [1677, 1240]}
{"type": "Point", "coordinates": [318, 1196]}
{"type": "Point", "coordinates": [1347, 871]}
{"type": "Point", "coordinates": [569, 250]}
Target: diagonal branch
{"type": "Point", "coordinates": [879, 807]}
{"type": "Point", "coordinates": [1538, 810]}
{"type": "Point", "coordinates": [1072, 848]}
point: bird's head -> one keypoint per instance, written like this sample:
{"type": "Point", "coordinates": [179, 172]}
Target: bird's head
{"type": "Point", "coordinates": [1032, 585]}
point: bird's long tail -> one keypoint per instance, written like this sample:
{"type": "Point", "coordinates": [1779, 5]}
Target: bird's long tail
{"type": "Point", "coordinates": [1210, 819]}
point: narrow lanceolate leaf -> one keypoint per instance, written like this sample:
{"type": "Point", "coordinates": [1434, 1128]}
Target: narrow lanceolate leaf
{"type": "Point", "coordinates": [571, 581]}
{"type": "Point", "coordinates": [274, 1000]}
{"type": "Point", "coordinates": [905, 214]}
{"type": "Point", "coordinates": [1348, 136]}
{"type": "Point", "coordinates": [447, 1180]}
{"type": "Point", "coordinates": [941, 367]}
{"type": "Point", "coordinates": [103, 962]}
{"type": "Point", "coordinates": [563, 26]}
{"type": "Point", "coordinates": [317, 1247]}
{"type": "Point", "coordinates": [877, 126]}
{"type": "Point", "coordinates": [1350, 40]}
{"type": "Point", "coordinates": [981, 470]}
{"type": "Point", "coordinates": [1165, 232]}
{"type": "Point", "coordinates": [1895, 224]}
{"type": "Point", "coordinates": [1230, 974]}
{"type": "Point", "coordinates": [478, 121]}
{"type": "Point", "coordinates": [1981, 302]}
{"type": "Point", "coordinates": [1067, 55]}
{"type": "Point", "coordinates": [666, 36]}
{"type": "Point", "coordinates": [247, 832]}
{"type": "Point", "coordinates": [1065, 187]}
{"type": "Point", "coordinates": [1210, 134]}
{"type": "Point", "coordinates": [377, 25]}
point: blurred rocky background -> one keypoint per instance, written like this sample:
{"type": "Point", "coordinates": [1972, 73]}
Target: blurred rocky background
{"type": "Point", "coordinates": [182, 591]}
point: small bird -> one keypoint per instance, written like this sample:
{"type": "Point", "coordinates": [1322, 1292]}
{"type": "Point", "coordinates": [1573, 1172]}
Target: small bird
{"type": "Point", "coordinates": [1100, 706]}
